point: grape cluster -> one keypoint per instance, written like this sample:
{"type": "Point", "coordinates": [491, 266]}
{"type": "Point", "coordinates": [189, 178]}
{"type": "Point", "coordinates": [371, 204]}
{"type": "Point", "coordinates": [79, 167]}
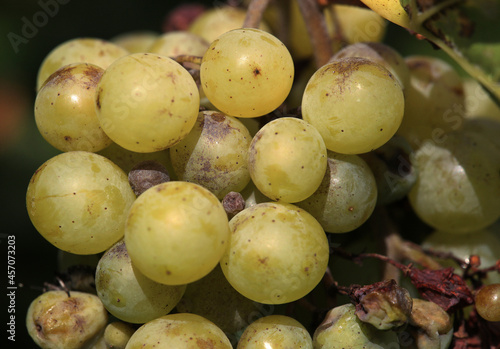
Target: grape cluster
{"type": "Point", "coordinates": [211, 205]}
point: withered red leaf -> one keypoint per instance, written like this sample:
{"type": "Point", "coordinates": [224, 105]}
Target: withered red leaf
{"type": "Point", "coordinates": [442, 287]}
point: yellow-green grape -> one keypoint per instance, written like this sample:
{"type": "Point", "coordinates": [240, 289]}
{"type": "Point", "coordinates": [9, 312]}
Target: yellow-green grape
{"type": "Point", "coordinates": [484, 243]}
{"type": "Point", "coordinates": [287, 159]}
{"type": "Point", "coordinates": [146, 102]}
{"type": "Point", "coordinates": [127, 159]}
{"type": "Point", "coordinates": [81, 50]}
{"type": "Point", "coordinates": [214, 154]}
{"type": "Point", "coordinates": [486, 127]}
{"type": "Point", "coordinates": [65, 111]}
{"type": "Point", "coordinates": [275, 332]}
{"type": "Point", "coordinates": [478, 103]}
{"type": "Point", "coordinates": [392, 168]}
{"type": "Point", "coordinates": [79, 201]}
{"type": "Point", "coordinates": [458, 184]}
{"type": "Point", "coordinates": [178, 43]}
{"type": "Point", "coordinates": [343, 329]}
{"type": "Point", "coordinates": [379, 53]}
{"type": "Point", "coordinates": [277, 253]}
{"type": "Point", "coordinates": [136, 41]}
{"type": "Point", "coordinates": [179, 331]}
{"type": "Point", "coordinates": [434, 100]}
{"type": "Point", "coordinates": [55, 320]}
{"type": "Point", "coordinates": [117, 334]}
{"type": "Point", "coordinates": [216, 300]}
{"type": "Point", "coordinates": [346, 197]}
{"type": "Point", "coordinates": [246, 73]}
{"type": "Point", "coordinates": [129, 295]}
{"type": "Point", "coordinates": [357, 105]}
{"type": "Point", "coordinates": [357, 24]}
{"type": "Point", "coordinates": [216, 21]}
{"type": "Point", "coordinates": [176, 232]}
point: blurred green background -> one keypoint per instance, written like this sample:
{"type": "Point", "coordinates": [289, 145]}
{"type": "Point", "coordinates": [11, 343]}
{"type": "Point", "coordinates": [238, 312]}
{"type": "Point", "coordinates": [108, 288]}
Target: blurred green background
{"type": "Point", "coordinates": [23, 150]}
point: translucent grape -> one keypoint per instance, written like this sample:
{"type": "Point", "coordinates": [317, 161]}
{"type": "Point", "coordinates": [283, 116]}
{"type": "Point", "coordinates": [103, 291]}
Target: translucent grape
{"type": "Point", "coordinates": [177, 43]}
{"type": "Point", "coordinates": [478, 103]}
{"type": "Point", "coordinates": [379, 53]}
{"type": "Point", "coordinates": [276, 332]}
{"type": "Point", "coordinates": [434, 100]}
{"type": "Point", "coordinates": [214, 22]}
{"type": "Point", "coordinates": [346, 197]}
{"type": "Point", "coordinates": [129, 295]}
{"type": "Point", "coordinates": [216, 300]}
{"type": "Point", "coordinates": [136, 41]}
{"type": "Point", "coordinates": [458, 185]}
{"type": "Point", "coordinates": [180, 331]}
{"type": "Point", "coordinates": [357, 105]}
{"type": "Point", "coordinates": [79, 202]}
{"type": "Point", "coordinates": [117, 334]}
{"type": "Point", "coordinates": [55, 320]}
{"type": "Point", "coordinates": [287, 159]}
{"type": "Point", "coordinates": [246, 72]}
{"type": "Point", "coordinates": [176, 232]}
{"type": "Point", "coordinates": [81, 50]}
{"type": "Point", "coordinates": [214, 154]}
{"type": "Point", "coordinates": [357, 25]}
{"type": "Point", "coordinates": [342, 329]}
{"type": "Point", "coordinates": [258, 262]}
{"type": "Point", "coordinates": [483, 243]}
{"type": "Point", "coordinates": [488, 302]}
{"type": "Point", "coordinates": [65, 111]}
{"type": "Point", "coordinates": [146, 102]}
{"type": "Point", "coordinates": [394, 173]}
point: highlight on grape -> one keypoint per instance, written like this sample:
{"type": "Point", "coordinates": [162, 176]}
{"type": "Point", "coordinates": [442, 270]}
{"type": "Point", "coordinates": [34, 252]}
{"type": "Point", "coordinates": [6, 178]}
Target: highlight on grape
{"type": "Point", "coordinates": [274, 175]}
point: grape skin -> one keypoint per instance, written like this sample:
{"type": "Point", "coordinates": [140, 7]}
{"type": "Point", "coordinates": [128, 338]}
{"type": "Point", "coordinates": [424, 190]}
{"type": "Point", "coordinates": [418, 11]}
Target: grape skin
{"type": "Point", "coordinates": [434, 91]}
{"type": "Point", "coordinates": [458, 185]}
{"type": "Point", "coordinates": [246, 73]}
{"type": "Point", "coordinates": [276, 332]}
{"type": "Point", "coordinates": [214, 22]}
{"type": "Point", "coordinates": [258, 262]}
{"type": "Point", "coordinates": [346, 197]}
{"type": "Point", "coordinates": [65, 111]}
{"type": "Point", "coordinates": [78, 201]}
{"type": "Point", "coordinates": [146, 102]}
{"type": "Point", "coordinates": [87, 50]}
{"type": "Point", "coordinates": [57, 321]}
{"type": "Point", "coordinates": [287, 159]}
{"type": "Point", "coordinates": [177, 43]}
{"type": "Point", "coordinates": [356, 105]}
{"type": "Point", "coordinates": [127, 293]}
{"type": "Point", "coordinates": [176, 232]}
{"type": "Point", "coordinates": [180, 331]}
{"type": "Point", "coordinates": [214, 154]}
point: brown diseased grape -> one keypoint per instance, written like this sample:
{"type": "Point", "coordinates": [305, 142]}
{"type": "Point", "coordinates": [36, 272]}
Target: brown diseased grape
{"type": "Point", "coordinates": [488, 302]}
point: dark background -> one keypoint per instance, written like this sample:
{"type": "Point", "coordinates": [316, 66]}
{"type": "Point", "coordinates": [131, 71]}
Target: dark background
{"type": "Point", "coordinates": [23, 150]}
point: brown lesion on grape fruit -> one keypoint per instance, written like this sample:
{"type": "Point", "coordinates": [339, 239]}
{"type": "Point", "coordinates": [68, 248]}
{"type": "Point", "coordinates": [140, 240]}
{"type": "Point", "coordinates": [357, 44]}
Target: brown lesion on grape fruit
{"type": "Point", "coordinates": [53, 321]}
{"type": "Point", "coordinates": [93, 75]}
{"type": "Point", "coordinates": [98, 99]}
{"type": "Point", "coordinates": [61, 76]}
{"type": "Point", "coordinates": [256, 72]}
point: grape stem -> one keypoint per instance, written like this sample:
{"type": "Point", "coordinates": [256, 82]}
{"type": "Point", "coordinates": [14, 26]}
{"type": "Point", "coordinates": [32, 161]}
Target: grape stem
{"type": "Point", "coordinates": [317, 30]}
{"type": "Point", "coordinates": [255, 11]}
